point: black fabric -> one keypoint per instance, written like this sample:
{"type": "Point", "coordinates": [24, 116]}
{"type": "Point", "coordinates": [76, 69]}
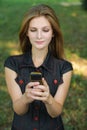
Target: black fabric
{"type": "Point", "coordinates": [52, 70]}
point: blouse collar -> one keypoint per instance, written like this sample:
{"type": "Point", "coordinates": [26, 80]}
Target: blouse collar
{"type": "Point", "coordinates": [47, 64]}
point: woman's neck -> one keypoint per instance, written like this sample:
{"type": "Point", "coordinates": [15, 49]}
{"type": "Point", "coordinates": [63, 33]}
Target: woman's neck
{"type": "Point", "coordinates": [38, 57]}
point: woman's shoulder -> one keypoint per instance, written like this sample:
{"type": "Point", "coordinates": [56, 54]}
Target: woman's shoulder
{"type": "Point", "coordinates": [13, 61]}
{"type": "Point", "coordinates": [64, 62]}
{"type": "Point", "coordinates": [64, 65]}
{"type": "Point", "coordinates": [61, 61]}
{"type": "Point", "coordinates": [14, 58]}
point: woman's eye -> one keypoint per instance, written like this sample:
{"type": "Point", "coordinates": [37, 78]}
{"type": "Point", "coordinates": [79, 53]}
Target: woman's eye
{"type": "Point", "coordinates": [46, 30]}
{"type": "Point", "coordinates": [33, 30]}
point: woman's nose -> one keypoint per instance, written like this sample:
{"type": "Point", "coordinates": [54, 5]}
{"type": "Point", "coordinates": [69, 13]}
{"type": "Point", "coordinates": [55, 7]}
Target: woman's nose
{"type": "Point", "coordinates": [39, 34]}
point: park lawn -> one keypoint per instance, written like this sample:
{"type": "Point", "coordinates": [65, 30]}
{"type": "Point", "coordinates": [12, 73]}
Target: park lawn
{"type": "Point", "coordinates": [73, 21]}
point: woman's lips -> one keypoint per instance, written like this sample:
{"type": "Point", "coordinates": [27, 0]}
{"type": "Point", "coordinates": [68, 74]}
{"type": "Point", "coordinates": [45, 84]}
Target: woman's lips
{"type": "Point", "coordinates": [39, 42]}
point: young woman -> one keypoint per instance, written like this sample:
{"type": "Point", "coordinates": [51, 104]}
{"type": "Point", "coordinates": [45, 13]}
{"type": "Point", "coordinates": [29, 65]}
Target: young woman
{"type": "Point", "coordinates": [39, 106]}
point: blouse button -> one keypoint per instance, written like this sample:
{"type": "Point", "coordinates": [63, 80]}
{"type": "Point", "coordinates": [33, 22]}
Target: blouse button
{"type": "Point", "coordinates": [21, 82]}
{"type": "Point", "coordinates": [36, 118]}
{"type": "Point", "coordinates": [55, 81]}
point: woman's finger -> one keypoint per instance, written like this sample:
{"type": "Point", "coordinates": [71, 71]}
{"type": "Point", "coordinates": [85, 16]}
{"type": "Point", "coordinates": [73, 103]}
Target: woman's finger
{"type": "Point", "coordinates": [32, 84]}
{"type": "Point", "coordinates": [44, 82]}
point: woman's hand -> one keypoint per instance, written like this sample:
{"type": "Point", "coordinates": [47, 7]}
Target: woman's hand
{"type": "Point", "coordinates": [38, 92]}
{"type": "Point", "coordinates": [29, 91]}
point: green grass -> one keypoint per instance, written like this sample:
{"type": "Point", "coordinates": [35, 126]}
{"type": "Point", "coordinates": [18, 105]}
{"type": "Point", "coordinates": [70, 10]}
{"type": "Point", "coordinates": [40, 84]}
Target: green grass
{"type": "Point", "coordinates": [73, 22]}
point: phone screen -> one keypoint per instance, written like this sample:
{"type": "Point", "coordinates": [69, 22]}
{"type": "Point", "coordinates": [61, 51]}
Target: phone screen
{"type": "Point", "coordinates": [36, 76]}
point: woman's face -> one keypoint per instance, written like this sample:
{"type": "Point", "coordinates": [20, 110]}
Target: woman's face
{"type": "Point", "coordinates": [40, 32]}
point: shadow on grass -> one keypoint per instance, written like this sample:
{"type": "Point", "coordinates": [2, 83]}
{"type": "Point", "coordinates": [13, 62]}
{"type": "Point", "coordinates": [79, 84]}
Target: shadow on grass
{"type": "Point", "coordinates": [5, 109]}
{"type": "Point", "coordinates": [74, 112]}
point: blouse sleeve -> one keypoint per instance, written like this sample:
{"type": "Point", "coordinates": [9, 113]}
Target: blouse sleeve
{"type": "Point", "coordinates": [67, 66]}
{"type": "Point", "coordinates": [10, 62]}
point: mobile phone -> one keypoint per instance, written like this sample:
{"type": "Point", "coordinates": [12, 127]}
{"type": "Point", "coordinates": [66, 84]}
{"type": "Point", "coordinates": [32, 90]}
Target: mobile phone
{"type": "Point", "coordinates": [36, 76]}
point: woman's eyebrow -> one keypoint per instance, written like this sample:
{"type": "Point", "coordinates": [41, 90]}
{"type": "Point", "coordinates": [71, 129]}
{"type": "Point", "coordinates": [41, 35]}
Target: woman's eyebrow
{"type": "Point", "coordinates": [37, 27]}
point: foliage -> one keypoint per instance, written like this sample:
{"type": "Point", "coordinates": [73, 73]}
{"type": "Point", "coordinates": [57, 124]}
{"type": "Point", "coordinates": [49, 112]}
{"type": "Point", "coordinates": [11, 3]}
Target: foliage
{"type": "Point", "coordinates": [73, 21]}
{"type": "Point", "coordinates": [84, 4]}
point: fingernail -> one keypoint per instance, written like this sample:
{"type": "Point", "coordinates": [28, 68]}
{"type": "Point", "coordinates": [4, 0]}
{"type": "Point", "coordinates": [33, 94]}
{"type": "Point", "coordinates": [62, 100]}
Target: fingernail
{"type": "Point", "coordinates": [42, 78]}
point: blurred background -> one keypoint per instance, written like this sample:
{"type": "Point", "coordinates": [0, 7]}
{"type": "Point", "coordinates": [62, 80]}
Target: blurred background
{"type": "Point", "coordinates": [73, 20]}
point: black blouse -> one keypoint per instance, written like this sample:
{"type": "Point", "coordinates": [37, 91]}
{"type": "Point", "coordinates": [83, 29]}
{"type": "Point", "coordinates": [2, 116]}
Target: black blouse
{"type": "Point", "coordinates": [37, 117]}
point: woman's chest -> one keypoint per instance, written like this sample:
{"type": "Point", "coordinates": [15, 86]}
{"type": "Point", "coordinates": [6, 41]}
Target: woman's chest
{"type": "Point", "coordinates": [52, 77]}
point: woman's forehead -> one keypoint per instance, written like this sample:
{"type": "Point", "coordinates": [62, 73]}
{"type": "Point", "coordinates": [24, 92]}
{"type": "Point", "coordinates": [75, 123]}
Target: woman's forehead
{"type": "Point", "coordinates": [39, 21]}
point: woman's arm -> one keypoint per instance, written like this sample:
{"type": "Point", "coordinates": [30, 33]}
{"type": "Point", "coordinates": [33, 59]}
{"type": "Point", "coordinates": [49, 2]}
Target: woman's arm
{"type": "Point", "coordinates": [20, 102]}
{"type": "Point", "coordinates": [55, 105]}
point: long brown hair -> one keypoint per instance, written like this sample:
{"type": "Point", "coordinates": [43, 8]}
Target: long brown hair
{"type": "Point", "coordinates": [56, 45]}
